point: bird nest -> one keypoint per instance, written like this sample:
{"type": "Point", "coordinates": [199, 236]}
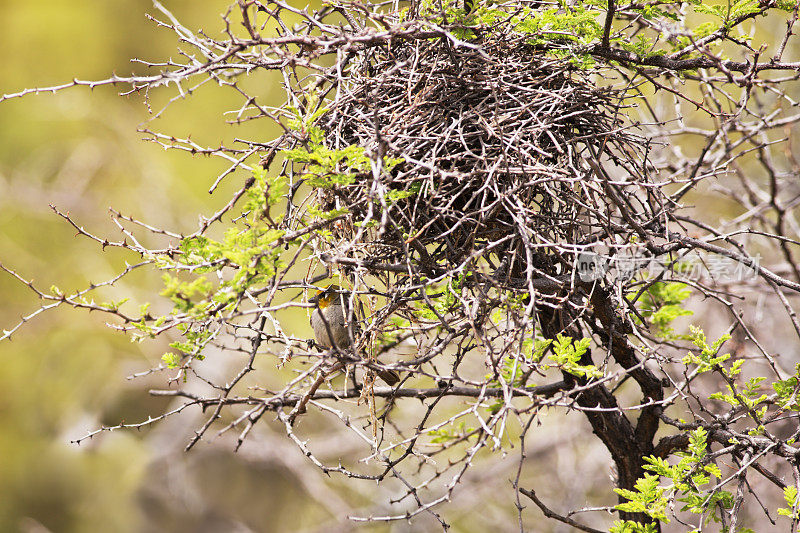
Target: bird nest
{"type": "Point", "coordinates": [481, 158]}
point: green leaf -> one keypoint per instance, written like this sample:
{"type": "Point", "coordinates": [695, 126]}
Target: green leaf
{"type": "Point", "coordinates": [171, 360]}
{"type": "Point", "coordinates": [567, 354]}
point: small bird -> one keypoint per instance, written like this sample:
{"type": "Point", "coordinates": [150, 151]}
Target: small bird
{"type": "Point", "coordinates": [329, 322]}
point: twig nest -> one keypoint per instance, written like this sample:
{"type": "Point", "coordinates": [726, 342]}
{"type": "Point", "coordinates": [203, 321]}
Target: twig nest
{"type": "Point", "coordinates": [474, 150]}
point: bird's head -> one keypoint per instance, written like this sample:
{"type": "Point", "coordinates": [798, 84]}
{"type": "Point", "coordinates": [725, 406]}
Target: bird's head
{"type": "Point", "coordinates": [326, 296]}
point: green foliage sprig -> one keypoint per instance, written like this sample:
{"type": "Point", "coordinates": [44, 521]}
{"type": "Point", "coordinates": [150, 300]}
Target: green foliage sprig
{"type": "Point", "coordinates": [326, 167]}
{"type": "Point", "coordinates": [567, 353]}
{"type": "Point", "coordinates": [688, 481]}
{"type": "Point", "coordinates": [662, 303]}
{"type": "Point", "coordinates": [707, 359]}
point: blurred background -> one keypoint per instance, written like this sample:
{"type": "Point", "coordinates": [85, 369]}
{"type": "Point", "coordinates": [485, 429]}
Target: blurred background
{"type": "Point", "coordinates": [66, 374]}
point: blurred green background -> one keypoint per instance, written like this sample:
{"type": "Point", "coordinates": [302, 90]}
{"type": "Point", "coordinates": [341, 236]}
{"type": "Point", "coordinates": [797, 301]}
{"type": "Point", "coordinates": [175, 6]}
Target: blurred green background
{"type": "Point", "coordinates": [64, 373]}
